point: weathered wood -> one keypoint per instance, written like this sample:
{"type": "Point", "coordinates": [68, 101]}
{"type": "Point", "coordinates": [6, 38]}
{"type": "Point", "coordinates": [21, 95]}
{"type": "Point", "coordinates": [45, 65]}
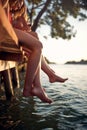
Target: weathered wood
{"type": "Point", "coordinates": [5, 68]}
{"type": "Point", "coordinates": [8, 84]}
{"type": "Point", "coordinates": [9, 51]}
{"type": "Point", "coordinates": [11, 56]}
{"type": "Point", "coordinates": [5, 72]}
{"type": "Point", "coordinates": [8, 61]}
{"type": "Point", "coordinates": [10, 78]}
{"type": "Point", "coordinates": [4, 65]}
{"type": "Point", "coordinates": [15, 77]}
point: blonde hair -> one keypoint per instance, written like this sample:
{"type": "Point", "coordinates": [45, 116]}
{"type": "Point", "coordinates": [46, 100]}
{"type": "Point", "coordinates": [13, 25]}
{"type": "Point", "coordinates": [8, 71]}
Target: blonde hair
{"type": "Point", "coordinates": [17, 8]}
{"type": "Point", "coordinates": [5, 3]}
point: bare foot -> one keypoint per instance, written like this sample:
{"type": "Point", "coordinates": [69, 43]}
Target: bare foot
{"type": "Point", "coordinates": [26, 93]}
{"type": "Point", "coordinates": [40, 93]}
{"type": "Point", "coordinates": [56, 78]}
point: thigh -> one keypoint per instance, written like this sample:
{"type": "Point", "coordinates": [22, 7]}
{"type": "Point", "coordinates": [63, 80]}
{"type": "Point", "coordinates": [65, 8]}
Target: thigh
{"type": "Point", "coordinates": [27, 40]}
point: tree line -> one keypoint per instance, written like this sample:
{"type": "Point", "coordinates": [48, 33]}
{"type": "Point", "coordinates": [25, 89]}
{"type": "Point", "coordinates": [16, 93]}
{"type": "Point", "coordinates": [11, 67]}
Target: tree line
{"type": "Point", "coordinates": [55, 13]}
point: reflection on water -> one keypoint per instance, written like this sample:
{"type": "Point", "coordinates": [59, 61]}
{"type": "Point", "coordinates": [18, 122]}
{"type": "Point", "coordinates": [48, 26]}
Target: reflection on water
{"type": "Point", "coordinates": [67, 112]}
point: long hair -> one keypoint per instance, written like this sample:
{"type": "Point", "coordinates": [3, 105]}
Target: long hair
{"type": "Point", "coordinates": [4, 3]}
{"type": "Point", "coordinates": [17, 8]}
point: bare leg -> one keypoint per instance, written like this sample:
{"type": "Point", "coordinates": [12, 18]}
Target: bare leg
{"type": "Point", "coordinates": [35, 46]}
{"type": "Point", "coordinates": [45, 67]}
{"type": "Point", "coordinates": [53, 77]}
{"type": "Point", "coordinates": [38, 89]}
{"type": "Point", "coordinates": [51, 74]}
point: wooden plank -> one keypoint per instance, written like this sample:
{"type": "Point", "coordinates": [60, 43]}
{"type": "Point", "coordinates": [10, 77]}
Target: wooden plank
{"type": "Point", "coordinates": [4, 65]}
{"type": "Point", "coordinates": [8, 84]}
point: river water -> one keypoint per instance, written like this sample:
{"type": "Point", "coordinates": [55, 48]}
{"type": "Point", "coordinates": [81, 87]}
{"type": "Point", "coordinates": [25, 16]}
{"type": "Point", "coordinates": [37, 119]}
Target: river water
{"type": "Point", "coordinates": [67, 112]}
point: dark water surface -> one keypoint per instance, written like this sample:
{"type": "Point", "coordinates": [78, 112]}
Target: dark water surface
{"type": "Point", "coordinates": [67, 112]}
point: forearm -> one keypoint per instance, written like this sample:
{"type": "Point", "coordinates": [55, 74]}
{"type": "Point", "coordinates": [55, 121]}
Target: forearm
{"type": "Point", "coordinates": [21, 24]}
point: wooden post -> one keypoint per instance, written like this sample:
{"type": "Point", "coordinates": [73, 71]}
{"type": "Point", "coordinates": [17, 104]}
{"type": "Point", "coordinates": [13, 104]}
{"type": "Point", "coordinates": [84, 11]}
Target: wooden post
{"type": "Point", "coordinates": [15, 77]}
{"type": "Point", "coordinates": [8, 84]}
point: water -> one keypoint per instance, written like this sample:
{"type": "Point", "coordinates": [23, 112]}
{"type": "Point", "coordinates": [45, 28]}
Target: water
{"type": "Point", "coordinates": [67, 112]}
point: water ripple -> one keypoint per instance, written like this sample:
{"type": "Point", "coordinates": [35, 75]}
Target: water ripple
{"type": "Point", "coordinates": [67, 112]}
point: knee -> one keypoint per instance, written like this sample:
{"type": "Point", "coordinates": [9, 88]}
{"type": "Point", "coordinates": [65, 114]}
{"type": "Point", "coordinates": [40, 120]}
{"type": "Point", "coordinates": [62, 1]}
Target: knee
{"type": "Point", "coordinates": [39, 47]}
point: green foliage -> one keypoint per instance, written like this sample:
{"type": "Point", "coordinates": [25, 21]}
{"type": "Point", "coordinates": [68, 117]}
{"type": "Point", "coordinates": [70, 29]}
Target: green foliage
{"type": "Point", "coordinates": [54, 13]}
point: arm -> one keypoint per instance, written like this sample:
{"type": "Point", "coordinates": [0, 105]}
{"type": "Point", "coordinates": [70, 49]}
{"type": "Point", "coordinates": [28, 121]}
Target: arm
{"type": "Point", "coordinates": [6, 31]}
{"type": "Point", "coordinates": [20, 23]}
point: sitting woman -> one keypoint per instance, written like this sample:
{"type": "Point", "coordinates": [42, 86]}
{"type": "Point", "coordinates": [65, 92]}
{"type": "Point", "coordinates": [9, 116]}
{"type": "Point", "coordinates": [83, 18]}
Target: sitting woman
{"type": "Point", "coordinates": [20, 20]}
{"type": "Point", "coordinates": [34, 61]}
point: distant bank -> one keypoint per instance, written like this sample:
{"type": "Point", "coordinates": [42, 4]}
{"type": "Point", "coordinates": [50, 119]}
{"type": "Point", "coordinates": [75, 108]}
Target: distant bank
{"type": "Point", "coordinates": [79, 62]}
{"type": "Point", "coordinates": [49, 62]}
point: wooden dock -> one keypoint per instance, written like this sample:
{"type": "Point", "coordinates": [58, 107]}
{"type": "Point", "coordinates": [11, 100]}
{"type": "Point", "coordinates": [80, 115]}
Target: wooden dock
{"type": "Point", "coordinates": [10, 76]}
{"type": "Point", "coordinates": [10, 54]}
{"type": "Point", "coordinates": [9, 71]}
